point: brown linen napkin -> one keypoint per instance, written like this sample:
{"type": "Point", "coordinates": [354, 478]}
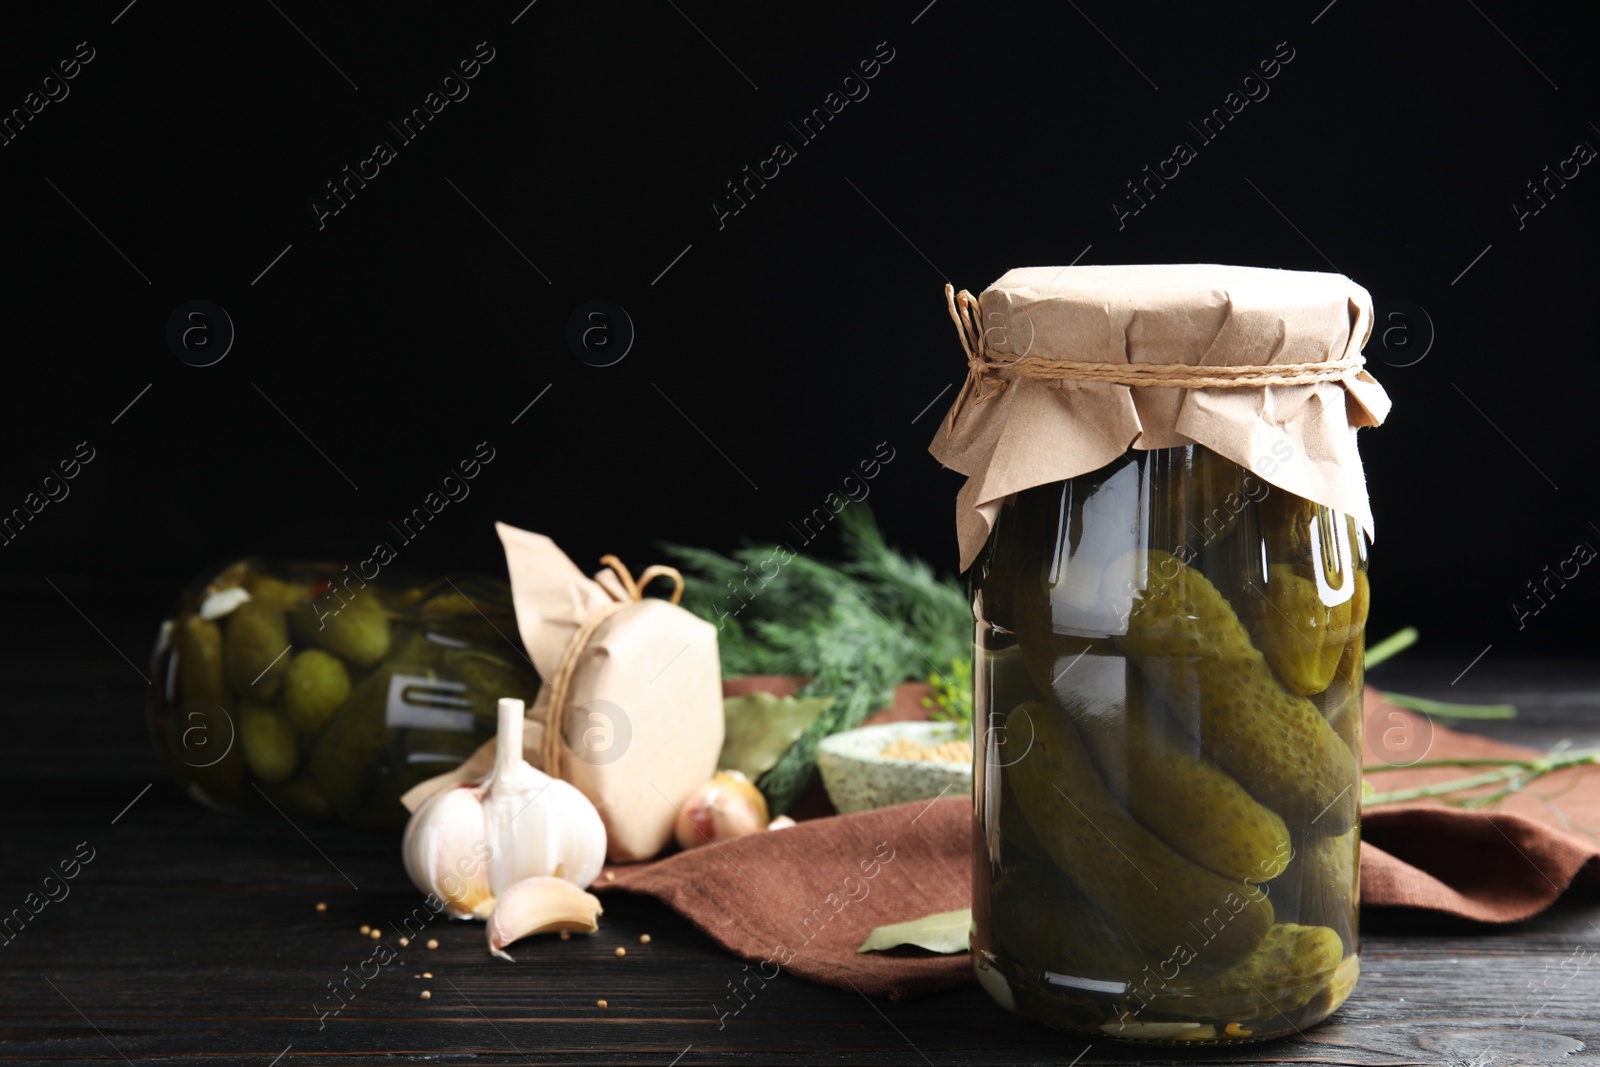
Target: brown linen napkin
{"type": "Point", "coordinates": [802, 899]}
{"type": "Point", "coordinates": [1492, 866]}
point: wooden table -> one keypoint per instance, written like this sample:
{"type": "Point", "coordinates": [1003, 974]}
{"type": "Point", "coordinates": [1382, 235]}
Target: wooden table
{"type": "Point", "coordinates": [193, 937]}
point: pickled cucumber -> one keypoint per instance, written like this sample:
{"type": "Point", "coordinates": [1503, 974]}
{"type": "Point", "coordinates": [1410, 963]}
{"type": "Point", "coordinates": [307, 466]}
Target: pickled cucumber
{"type": "Point", "coordinates": [1162, 898]}
{"type": "Point", "coordinates": [1349, 717]}
{"type": "Point", "coordinates": [412, 647]}
{"type": "Point", "coordinates": [488, 678]}
{"type": "Point", "coordinates": [199, 645]}
{"type": "Point", "coordinates": [1182, 797]}
{"type": "Point", "coordinates": [453, 602]}
{"type": "Point", "coordinates": [275, 591]}
{"type": "Point", "coordinates": [1344, 703]}
{"type": "Point", "coordinates": [1301, 637]}
{"type": "Point", "coordinates": [1343, 980]}
{"type": "Point", "coordinates": [1014, 828]}
{"type": "Point", "coordinates": [255, 637]}
{"type": "Point", "coordinates": [358, 631]}
{"type": "Point", "coordinates": [346, 760]}
{"type": "Point", "coordinates": [1292, 964]}
{"type": "Point", "coordinates": [1299, 519]}
{"type": "Point", "coordinates": [269, 743]}
{"type": "Point", "coordinates": [314, 686]}
{"type": "Point", "coordinates": [1322, 879]}
{"type": "Point", "coordinates": [1044, 922]}
{"type": "Point", "coordinates": [1191, 647]}
{"type": "Point", "coordinates": [1360, 604]}
{"type": "Point", "coordinates": [1355, 649]}
{"type": "Point", "coordinates": [203, 727]}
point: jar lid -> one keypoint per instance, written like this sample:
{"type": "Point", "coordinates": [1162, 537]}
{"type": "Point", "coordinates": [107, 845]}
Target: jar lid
{"type": "Point", "coordinates": [1069, 367]}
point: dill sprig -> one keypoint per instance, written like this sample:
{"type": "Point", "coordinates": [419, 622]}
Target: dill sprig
{"type": "Point", "coordinates": [1516, 775]}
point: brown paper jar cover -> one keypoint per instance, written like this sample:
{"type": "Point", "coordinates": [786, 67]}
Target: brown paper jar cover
{"type": "Point", "coordinates": [1014, 432]}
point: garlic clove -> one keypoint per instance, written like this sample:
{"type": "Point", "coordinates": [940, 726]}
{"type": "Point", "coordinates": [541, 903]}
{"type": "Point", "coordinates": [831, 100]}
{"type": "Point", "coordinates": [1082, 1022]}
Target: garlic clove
{"type": "Point", "coordinates": [726, 807]}
{"type": "Point", "coordinates": [539, 906]}
{"type": "Point", "coordinates": [447, 853]}
{"type": "Point", "coordinates": [782, 822]}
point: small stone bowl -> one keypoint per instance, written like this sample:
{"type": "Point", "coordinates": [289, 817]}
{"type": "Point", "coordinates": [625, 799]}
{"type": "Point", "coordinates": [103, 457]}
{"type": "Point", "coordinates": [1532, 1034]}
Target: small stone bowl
{"type": "Point", "coordinates": [859, 779]}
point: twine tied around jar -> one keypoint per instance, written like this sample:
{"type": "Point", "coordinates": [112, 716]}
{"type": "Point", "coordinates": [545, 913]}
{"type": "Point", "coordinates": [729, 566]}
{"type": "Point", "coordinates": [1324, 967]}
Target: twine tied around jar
{"type": "Point", "coordinates": [984, 381]}
{"type": "Point", "coordinates": [561, 682]}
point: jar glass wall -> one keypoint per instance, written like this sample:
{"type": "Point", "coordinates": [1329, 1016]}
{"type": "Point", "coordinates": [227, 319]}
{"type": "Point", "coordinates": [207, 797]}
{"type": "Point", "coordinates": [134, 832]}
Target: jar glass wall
{"type": "Point", "coordinates": [1168, 706]}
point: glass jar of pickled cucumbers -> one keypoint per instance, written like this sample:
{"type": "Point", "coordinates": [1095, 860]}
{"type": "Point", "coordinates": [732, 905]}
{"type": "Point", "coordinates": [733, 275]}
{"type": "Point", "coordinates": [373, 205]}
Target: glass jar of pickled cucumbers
{"type": "Point", "coordinates": [1168, 707]}
{"type": "Point", "coordinates": [304, 687]}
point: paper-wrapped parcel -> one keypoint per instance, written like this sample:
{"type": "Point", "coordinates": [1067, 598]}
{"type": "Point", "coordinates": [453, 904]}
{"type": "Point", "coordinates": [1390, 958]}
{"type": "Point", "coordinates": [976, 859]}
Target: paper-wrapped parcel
{"type": "Point", "coordinates": [632, 683]}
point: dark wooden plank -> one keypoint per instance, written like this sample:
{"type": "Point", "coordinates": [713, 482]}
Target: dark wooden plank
{"type": "Point", "coordinates": [193, 937]}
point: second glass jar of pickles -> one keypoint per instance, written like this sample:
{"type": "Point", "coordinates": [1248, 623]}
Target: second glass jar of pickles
{"type": "Point", "coordinates": [302, 686]}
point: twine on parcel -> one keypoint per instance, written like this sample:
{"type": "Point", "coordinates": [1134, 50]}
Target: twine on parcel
{"type": "Point", "coordinates": [561, 682]}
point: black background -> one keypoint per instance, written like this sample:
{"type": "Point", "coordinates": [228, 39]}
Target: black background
{"type": "Point", "coordinates": [428, 313]}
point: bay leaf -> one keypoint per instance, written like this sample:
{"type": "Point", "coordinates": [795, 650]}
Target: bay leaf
{"type": "Point", "coordinates": [760, 727]}
{"type": "Point", "coordinates": [944, 931]}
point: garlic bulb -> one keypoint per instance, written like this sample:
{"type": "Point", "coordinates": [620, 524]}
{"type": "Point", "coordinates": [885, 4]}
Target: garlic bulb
{"type": "Point", "coordinates": [726, 807]}
{"type": "Point", "coordinates": [471, 843]}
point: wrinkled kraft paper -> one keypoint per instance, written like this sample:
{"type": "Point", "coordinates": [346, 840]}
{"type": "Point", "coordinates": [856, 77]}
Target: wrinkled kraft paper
{"type": "Point", "coordinates": [1300, 438]}
{"type": "Point", "coordinates": [644, 721]}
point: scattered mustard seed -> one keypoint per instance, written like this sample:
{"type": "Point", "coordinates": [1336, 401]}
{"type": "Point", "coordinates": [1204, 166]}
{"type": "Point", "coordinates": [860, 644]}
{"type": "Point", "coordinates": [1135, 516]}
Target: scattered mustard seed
{"type": "Point", "coordinates": [433, 942]}
{"type": "Point", "coordinates": [322, 905]}
{"type": "Point", "coordinates": [376, 933]}
{"type": "Point", "coordinates": [427, 974]}
{"type": "Point", "coordinates": [426, 995]}
{"type": "Point", "coordinates": [611, 876]}
{"type": "Point", "coordinates": [365, 929]}
{"type": "Point", "coordinates": [644, 939]}
{"type": "Point", "coordinates": [404, 941]}
{"type": "Point", "coordinates": [621, 951]}
{"type": "Point", "coordinates": [599, 1003]}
